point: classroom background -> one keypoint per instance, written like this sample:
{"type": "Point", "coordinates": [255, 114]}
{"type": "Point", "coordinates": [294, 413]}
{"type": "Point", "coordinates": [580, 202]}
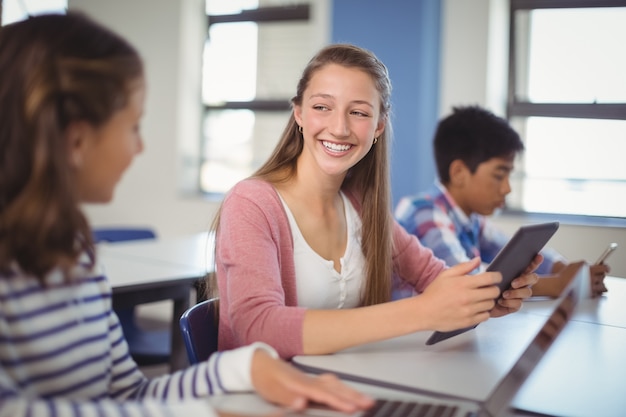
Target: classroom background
{"type": "Point", "coordinates": [439, 53]}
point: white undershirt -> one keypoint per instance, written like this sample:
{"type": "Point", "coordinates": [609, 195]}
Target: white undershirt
{"type": "Point", "coordinates": [318, 284]}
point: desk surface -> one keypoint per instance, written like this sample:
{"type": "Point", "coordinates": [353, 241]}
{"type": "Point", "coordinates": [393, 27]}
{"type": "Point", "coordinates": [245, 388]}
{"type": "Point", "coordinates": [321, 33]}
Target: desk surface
{"type": "Point", "coordinates": [467, 366]}
{"type": "Point", "coordinates": [153, 270]}
{"type": "Point", "coordinates": [581, 375]}
{"type": "Point", "coordinates": [127, 274]}
{"type": "Point", "coordinates": [584, 373]}
{"type": "Point", "coordinates": [608, 309]}
{"type": "Point", "coordinates": [191, 251]}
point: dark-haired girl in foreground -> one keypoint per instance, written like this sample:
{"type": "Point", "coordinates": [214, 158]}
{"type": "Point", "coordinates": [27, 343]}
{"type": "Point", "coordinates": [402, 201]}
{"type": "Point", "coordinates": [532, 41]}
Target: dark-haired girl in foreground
{"type": "Point", "coordinates": [71, 98]}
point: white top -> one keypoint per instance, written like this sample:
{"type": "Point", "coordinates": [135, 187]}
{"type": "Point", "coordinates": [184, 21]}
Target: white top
{"type": "Point", "coordinates": [318, 284]}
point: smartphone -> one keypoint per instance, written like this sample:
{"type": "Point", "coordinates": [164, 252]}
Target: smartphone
{"type": "Point", "coordinates": [607, 252]}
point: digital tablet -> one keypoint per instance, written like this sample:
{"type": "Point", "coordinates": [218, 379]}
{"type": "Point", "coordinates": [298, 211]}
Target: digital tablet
{"type": "Point", "coordinates": [511, 261]}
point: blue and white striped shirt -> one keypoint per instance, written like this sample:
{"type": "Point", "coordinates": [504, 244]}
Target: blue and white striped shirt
{"type": "Point", "coordinates": [62, 353]}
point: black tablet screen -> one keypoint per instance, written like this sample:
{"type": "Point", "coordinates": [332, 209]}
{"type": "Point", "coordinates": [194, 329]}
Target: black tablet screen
{"type": "Point", "coordinates": [511, 261]}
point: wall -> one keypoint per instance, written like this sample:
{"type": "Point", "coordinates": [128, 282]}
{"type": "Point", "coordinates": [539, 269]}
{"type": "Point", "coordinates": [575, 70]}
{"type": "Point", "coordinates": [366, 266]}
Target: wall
{"type": "Point", "coordinates": [474, 54]}
{"type": "Point", "coordinates": [404, 34]}
{"type": "Point", "coordinates": [156, 189]}
{"type": "Point", "coordinates": [169, 35]}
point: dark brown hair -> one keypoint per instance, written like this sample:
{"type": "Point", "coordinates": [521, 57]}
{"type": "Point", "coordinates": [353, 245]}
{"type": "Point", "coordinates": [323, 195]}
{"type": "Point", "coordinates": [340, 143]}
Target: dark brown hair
{"type": "Point", "coordinates": [55, 69]}
{"type": "Point", "coordinates": [474, 135]}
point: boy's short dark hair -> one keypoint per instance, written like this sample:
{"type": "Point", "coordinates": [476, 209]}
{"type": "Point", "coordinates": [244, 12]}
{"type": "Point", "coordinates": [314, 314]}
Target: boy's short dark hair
{"type": "Point", "coordinates": [473, 135]}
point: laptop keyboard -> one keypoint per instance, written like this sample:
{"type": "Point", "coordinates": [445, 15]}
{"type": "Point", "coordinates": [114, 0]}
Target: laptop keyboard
{"type": "Point", "coordinates": [389, 408]}
{"type": "Point", "coordinates": [392, 408]}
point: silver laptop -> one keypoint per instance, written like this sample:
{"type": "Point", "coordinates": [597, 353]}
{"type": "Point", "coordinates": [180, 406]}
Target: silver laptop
{"type": "Point", "coordinates": [401, 401]}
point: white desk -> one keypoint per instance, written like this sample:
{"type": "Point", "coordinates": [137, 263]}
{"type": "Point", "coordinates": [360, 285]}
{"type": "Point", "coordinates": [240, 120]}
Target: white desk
{"type": "Point", "coordinates": [608, 309]}
{"type": "Point", "coordinates": [188, 251]}
{"type": "Point", "coordinates": [467, 366]}
{"type": "Point", "coordinates": [583, 373]}
{"type": "Point", "coordinates": [155, 270]}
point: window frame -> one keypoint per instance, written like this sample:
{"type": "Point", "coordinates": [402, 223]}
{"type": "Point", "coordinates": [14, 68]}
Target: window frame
{"type": "Point", "coordinates": [264, 14]}
{"type": "Point", "coordinates": [301, 13]}
{"type": "Point", "coordinates": [521, 108]}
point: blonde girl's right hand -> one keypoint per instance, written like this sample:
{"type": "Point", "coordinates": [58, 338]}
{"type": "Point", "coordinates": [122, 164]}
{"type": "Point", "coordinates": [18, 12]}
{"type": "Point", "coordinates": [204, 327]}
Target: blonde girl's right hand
{"type": "Point", "coordinates": [457, 300]}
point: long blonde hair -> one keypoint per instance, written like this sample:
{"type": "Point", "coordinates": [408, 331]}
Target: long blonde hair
{"type": "Point", "coordinates": [368, 179]}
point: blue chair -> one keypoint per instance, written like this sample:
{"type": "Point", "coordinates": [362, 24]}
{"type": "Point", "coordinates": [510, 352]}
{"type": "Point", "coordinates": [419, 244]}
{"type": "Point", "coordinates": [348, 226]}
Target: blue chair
{"type": "Point", "coordinates": [199, 325]}
{"type": "Point", "coordinates": [119, 234]}
{"type": "Point", "coordinates": [147, 347]}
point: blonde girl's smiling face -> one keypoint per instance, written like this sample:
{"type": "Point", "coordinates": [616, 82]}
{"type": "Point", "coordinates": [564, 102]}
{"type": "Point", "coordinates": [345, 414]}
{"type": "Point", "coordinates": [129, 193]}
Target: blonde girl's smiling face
{"type": "Point", "coordinates": [340, 117]}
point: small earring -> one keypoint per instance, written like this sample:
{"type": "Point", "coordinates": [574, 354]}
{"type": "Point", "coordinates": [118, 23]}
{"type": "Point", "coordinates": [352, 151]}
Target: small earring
{"type": "Point", "coordinates": [77, 159]}
{"type": "Point", "coordinates": [300, 129]}
{"type": "Point", "coordinates": [375, 141]}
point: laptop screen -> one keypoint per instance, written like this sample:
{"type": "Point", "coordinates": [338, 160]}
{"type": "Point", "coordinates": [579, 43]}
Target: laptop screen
{"type": "Point", "coordinates": [508, 387]}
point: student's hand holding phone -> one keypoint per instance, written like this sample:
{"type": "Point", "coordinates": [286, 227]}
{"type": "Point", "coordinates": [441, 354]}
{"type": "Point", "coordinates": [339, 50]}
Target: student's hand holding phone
{"type": "Point", "coordinates": [599, 270]}
{"type": "Point", "coordinates": [521, 289]}
{"type": "Point", "coordinates": [597, 273]}
{"type": "Point", "coordinates": [278, 382]}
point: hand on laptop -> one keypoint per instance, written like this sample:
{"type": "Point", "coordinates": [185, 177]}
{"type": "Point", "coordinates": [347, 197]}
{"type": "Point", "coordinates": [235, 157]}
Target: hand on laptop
{"type": "Point", "coordinates": [278, 382]}
{"type": "Point", "coordinates": [512, 299]}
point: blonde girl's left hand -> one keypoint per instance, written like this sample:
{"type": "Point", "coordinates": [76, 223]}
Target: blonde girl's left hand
{"type": "Point", "coordinates": [521, 289]}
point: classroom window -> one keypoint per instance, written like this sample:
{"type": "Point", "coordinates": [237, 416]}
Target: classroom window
{"type": "Point", "coordinates": [15, 10]}
{"type": "Point", "coordinates": [567, 98]}
{"type": "Point", "coordinates": [254, 54]}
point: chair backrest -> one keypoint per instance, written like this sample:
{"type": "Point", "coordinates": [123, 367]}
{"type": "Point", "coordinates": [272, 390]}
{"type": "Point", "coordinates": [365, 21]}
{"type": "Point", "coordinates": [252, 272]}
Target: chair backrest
{"type": "Point", "coordinates": [119, 234]}
{"type": "Point", "coordinates": [199, 325]}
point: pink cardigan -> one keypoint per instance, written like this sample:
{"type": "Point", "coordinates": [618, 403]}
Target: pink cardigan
{"type": "Point", "coordinates": [256, 272]}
